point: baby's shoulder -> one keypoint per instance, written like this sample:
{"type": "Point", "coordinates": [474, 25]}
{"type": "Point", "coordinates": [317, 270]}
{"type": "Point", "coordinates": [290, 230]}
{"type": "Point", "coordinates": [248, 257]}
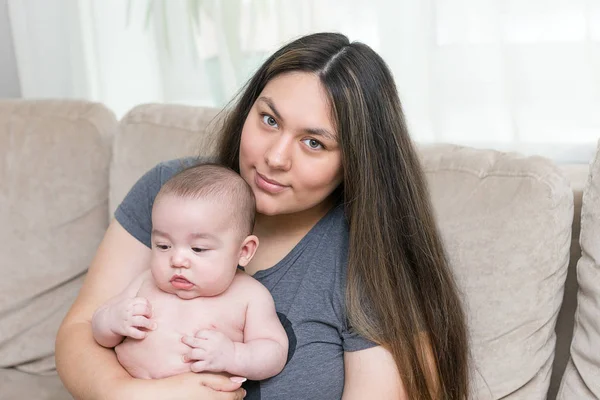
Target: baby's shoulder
{"type": "Point", "coordinates": [248, 286]}
{"type": "Point", "coordinates": [242, 279]}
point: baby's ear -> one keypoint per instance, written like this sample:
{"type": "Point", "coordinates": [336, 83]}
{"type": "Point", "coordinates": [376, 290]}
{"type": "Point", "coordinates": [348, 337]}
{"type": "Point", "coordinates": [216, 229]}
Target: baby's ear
{"type": "Point", "coordinates": [249, 246]}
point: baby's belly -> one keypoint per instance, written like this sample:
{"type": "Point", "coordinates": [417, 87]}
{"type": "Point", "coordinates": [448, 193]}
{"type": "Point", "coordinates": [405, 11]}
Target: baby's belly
{"type": "Point", "coordinates": [159, 355]}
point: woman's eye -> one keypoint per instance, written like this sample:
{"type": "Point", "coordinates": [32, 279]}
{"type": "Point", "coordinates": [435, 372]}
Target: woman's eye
{"type": "Point", "coordinates": [267, 119]}
{"type": "Point", "coordinates": [313, 144]}
{"type": "Point", "coordinates": [197, 249]}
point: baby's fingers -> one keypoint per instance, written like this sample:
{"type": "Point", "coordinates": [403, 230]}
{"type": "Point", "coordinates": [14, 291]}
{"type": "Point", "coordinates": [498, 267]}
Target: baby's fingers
{"type": "Point", "coordinates": [136, 333]}
{"type": "Point", "coordinates": [200, 366]}
{"type": "Point", "coordinates": [193, 341]}
{"type": "Point", "coordinates": [195, 355]}
{"type": "Point", "coordinates": [142, 308]}
{"type": "Point", "coordinates": [143, 322]}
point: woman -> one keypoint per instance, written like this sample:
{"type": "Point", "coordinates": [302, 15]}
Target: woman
{"type": "Point", "coordinates": [349, 246]}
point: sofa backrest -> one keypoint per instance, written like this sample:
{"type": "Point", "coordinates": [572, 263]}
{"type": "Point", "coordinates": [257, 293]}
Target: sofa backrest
{"type": "Point", "coordinates": [581, 379]}
{"type": "Point", "coordinates": [54, 158]}
{"type": "Point", "coordinates": [506, 224]}
{"type": "Point", "coordinates": [153, 133]}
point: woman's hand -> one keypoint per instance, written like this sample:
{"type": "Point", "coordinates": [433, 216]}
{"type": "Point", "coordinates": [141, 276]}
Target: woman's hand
{"type": "Point", "coordinates": [200, 386]}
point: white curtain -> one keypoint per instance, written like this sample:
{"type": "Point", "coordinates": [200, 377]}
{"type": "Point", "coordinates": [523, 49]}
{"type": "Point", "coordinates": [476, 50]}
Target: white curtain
{"type": "Point", "coordinates": [508, 74]}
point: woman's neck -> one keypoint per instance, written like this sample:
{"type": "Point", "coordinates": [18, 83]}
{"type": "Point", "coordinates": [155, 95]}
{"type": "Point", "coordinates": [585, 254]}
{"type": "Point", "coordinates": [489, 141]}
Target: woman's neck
{"type": "Point", "coordinates": [279, 234]}
{"type": "Point", "coordinates": [289, 225]}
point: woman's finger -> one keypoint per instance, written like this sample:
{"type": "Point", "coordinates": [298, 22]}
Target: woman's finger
{"type": "Point", "coordinates": [237, 395]}
{"type": "Point", "coordinates": [220, 382]}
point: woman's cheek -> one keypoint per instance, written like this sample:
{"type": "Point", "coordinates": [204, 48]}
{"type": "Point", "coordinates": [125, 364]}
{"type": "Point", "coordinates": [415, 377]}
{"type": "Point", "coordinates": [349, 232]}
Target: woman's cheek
{"type": "Point", "coordinates": [243, 159]}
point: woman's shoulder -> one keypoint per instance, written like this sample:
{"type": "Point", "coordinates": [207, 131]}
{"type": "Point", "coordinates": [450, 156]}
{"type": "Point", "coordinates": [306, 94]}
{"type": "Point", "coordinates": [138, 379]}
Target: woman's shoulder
{"type": "Point", "coordinates": [135, 210]}
{"type": "Point", "coordinates": [330, 237]}
{"type": "Point", "coordinates": [336, 226]}
{"type": "Point", "coordinates": [166, 169]}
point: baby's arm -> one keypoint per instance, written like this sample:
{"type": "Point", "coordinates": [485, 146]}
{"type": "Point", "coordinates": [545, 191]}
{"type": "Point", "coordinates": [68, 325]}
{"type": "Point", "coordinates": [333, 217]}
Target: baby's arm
{"type": "Point", "coordinates": [122, 316]}
{"type": "Point", "coordinates": [264, 351]}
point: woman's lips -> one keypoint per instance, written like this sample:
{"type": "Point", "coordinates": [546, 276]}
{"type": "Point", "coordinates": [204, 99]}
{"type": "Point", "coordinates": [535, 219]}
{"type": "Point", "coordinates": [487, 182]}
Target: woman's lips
{"type": "Point", "coordinates": [268, 185]}
{"type": "Point", "coordinates": [179, 282]}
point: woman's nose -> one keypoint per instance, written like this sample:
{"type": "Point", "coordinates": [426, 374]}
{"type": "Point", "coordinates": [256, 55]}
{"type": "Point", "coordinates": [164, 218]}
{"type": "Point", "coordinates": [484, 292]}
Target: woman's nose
{"type": "Point", "coordinates": [278, 155]}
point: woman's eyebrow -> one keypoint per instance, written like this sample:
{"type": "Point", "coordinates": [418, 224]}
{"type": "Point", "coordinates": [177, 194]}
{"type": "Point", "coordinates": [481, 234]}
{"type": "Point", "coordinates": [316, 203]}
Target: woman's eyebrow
{"type": "Point", "coordinates": [271, 105]}
{"type": "Point", "coordinates": [311, 131]}
{"type": "Point", "coordinates": [320, 132]}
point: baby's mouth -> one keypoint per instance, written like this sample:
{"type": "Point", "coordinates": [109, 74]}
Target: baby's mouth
{"type": "Point", "coordinates": [179, 282]}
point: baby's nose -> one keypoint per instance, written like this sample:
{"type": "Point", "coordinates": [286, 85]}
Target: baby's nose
{"type": "Point", "coordinates": [179, 261]}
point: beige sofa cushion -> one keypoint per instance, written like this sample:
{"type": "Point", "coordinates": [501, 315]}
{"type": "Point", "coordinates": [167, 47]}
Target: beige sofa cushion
{"type": "Point", "coordinates": [506, 224]}
{"type": "Point", "coordinates": [577, 175]}
{"type": "Point", "coordinates": [53, 204]}
{"type": "Point", "coordinates": [153, 133]}
{"type": "Point", "coordinates": [16, 385]}
{"type": "Point", "coordinates": [582, 375]}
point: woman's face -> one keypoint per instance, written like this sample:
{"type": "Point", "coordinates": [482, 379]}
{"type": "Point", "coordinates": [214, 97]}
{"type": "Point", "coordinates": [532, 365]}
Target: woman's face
{"type": "Point", "coordinates": [289, 153]}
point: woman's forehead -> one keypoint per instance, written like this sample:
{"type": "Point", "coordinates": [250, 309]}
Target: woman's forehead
{"type": "Point", "coordinates": [299, 98]}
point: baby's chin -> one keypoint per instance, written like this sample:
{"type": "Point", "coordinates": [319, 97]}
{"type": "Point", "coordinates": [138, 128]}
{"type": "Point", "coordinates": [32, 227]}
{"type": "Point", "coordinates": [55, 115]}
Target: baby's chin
{"type": "Point", "coordinates": [191, 293]}
{"type": "Point", "coordinates": [167, 287]}
{"type": "Point", "coordinates": [187, 295]}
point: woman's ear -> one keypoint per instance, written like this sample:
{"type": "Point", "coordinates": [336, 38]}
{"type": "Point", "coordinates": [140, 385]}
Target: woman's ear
{"type": "Point", "coordinates": [249, 246]}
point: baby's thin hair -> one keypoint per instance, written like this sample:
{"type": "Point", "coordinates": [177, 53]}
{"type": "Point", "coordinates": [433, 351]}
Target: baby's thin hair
{"type": "Point", "coordinates": [216, 181]}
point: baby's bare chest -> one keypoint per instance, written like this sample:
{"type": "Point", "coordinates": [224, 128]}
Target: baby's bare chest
{"type": "Point", "coordinates": [178, 317]}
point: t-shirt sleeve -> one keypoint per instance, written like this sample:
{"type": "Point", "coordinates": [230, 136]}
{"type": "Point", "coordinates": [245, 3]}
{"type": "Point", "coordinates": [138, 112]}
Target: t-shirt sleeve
{"type": "Point", "coordinates": [352, 341]}
{"type": "Point", "coordinates": [135, 211]}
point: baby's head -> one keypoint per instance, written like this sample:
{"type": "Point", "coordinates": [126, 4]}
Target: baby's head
{"type": "Point", "coordinates": [202, 222]}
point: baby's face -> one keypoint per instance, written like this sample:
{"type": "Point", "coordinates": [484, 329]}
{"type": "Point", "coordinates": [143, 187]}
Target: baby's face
{"type": "Point", "coordinates": [195, 246]}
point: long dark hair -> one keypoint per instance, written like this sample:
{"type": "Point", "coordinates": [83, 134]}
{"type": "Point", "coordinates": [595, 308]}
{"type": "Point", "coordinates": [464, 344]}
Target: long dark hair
{"type": "Point", "coordinates": [400, 290]}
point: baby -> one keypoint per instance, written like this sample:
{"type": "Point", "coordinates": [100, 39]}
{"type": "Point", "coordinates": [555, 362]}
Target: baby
{"type": "Point", "coordinates": [194, 309]}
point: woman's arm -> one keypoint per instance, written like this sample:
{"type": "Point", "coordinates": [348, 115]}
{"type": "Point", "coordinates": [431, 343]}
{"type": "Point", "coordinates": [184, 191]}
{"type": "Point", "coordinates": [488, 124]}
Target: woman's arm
{"type": "Point", "coordinates": [372, 374]}
{"type": "Point", "coordinates": [90, 371]}
{"type": "Point", "coordinates": [87, 369]}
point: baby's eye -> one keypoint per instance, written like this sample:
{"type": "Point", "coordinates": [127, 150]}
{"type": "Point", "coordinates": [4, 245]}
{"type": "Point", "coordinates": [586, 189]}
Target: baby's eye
{"type": "Point", "coordinates": [162, 246]}
{"type": "Point", "coordinates": [197, 249]}
{"type": "Point", "coordinates": [313, 144]}
{"type": "Point", "coordinates": [267, 119]}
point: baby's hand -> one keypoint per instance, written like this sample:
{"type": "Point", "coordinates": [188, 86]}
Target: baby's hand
{"type": "Point", "coordinates": [211, 351]}
{"type": "Point", "coordinates": [131, 317]}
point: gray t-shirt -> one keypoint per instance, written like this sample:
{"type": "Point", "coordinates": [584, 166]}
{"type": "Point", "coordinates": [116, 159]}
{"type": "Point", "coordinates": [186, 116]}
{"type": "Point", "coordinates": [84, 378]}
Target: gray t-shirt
{"type": "Point", "coordinates": [308, 287]}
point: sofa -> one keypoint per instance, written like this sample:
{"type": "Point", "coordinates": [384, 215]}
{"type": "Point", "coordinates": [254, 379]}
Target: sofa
{"type": "Point", "coordinates": [510, 224]}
